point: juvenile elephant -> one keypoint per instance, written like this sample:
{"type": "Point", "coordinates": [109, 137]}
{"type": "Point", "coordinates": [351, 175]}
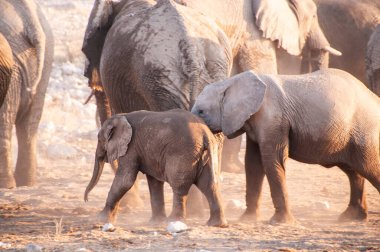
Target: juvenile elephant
{"type": "Point", "coordinates": [31, 41]}
{"type": "Point", "coordinates": [373, 61]}
{"type": "Point", "coordinates": [6, 64]}
{"type": "Point", "coordinates": [173, 146]}
{"type": "Point", "coordinates": [327, 117]}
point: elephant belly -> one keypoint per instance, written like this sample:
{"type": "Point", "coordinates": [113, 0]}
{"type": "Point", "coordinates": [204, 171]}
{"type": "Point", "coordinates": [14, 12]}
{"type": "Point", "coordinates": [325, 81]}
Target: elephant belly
{"type": "Point", "coordinates": [323, 150]}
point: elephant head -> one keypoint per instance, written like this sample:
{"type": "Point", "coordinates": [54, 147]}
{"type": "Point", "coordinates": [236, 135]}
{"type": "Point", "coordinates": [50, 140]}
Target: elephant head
{"type": "Point", "coordinates": [113, 140]}
{"type": "Point", "coordinates": [217, 105]}
{"type": "Point", "coordinates": [294, 25]}
{"type": "Point", "coordinates": [6, 64]}
{"type": "Point", "coordinates": [100, 21]}
{"type": "Point", "coordinates": [373, 61]}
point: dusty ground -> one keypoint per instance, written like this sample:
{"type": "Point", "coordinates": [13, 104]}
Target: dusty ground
{"type": "Point", "coordinates": [54, 216]}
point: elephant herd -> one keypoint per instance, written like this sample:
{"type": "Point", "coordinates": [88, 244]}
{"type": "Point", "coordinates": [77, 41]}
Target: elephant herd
{"type": "Point", "coordinates": [159, 55]}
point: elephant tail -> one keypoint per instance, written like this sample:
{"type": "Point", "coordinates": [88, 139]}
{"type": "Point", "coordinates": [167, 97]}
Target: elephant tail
{"type": "Point", "coordinates": [98, 169]}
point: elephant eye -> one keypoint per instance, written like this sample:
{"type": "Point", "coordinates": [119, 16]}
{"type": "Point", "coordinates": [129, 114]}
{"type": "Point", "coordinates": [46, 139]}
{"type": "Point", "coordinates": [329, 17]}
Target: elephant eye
{"type": "Point", "coordinates": [200, 112]}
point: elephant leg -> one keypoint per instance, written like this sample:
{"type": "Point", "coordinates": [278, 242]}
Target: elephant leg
{"type": "Point", "coordinates": [210, 189]}
{"type": "Point", "coordinates": [132, 198]}
{"type": "Point", "coordinates": [25, 173]}
{"type": "Point", "coordinates": [195, 202]}
{"type": "Point", "coordinates": [273, 157]}
{"type": "Point", "coordinates": [123, 181]}
{"type": "Point", "coordinates": [179, 205]}
{"type": "Point", "coordinates": [230, 155]}
{"type": "Point", "coordinates": [157, 201]}
{"type": "Point", "coordinates": [6, 169]}
{"type": "Point", "coordinates": [255, 174]}
{"type": "Point", "coordinates": [357, 208]}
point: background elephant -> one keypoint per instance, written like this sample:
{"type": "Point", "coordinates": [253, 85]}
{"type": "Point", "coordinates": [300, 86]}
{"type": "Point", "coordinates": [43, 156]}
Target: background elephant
{"type": "Point", "coordinates": [6, 64]}
{"type": "Point", "coordinates": [348, 26]}
{"type": "Point", "coordinates": [143, 56]}
{"type": "Point", "coordinates": [373, 61]}
{"type": "Point", "coordinates": [284, 118]}
{"type": "Point", "coordinates": [30, 38]}
{"type": "Point", "coordinates": [180, 149]}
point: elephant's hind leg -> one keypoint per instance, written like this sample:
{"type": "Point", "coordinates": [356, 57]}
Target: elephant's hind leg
{"type": "Point", "coordinates": [357, 208]}
{"type": "Point", "coordinates": [208, 185]}
{"type": "Point", "coordinates": [6, 169]}
{"type": "Point", "coordinates": [26, 165]}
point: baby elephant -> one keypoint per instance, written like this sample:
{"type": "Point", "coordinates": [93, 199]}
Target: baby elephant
{"type": "Point", "coordinates": [173, 146]}
{"type": "Point", "coordinates": [327, 117]}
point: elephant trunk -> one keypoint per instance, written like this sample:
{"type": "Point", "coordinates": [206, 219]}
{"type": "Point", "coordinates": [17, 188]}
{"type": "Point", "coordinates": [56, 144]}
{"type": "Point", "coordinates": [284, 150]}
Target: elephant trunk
{"type": "Point", "coordinates": [98, 169]}
{"type": "Point", "coordinates": [102, 103]}
{"type": "Point", "coordinates": [317, 49]}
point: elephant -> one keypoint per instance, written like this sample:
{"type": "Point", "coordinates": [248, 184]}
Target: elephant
{"type": "Point", "coordinates": [348, 26]}
{"type": "Point", "coordinates": [160, 60]}
{"type": "Point", "coordinates": [173, 146]}
{"type": "Point", "coordinates": [373, 62]}
{"type": "Point", "coordinates": [305, 117]}
{"type": "Point", "coordinates": [30, 38]}
{"type": "Point", "coordinates": [6, 65]}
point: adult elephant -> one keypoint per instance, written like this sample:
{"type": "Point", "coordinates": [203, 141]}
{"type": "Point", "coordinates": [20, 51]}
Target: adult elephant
{"type": "Point", "coordinates": [373, 61]}
{"type": "Point", "coordinates": [6, 64]}
{"type": "Point", "coordinates": [30, 38]}
{"type": "Point", "coordinates": [348, 26]}
{"type": "Point", "coordinates": [147, 56]}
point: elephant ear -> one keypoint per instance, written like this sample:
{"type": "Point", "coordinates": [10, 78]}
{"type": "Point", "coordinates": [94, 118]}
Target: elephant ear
{"type": "Point", "coordinates": [243, 98]}
{"type": "Point", "coordinates": [284, 21]}
{"type": "Point", "coordinates": [117, 134]}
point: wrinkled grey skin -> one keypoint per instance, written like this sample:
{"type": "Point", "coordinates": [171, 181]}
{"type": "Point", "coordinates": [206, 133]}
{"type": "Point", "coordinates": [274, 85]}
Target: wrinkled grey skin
{"type": "Point", "coordinates": [348, 26]}
{"type": "Point", "coordinates": [255, 28]}
{"type": "Point", "coordinates": [171, 146]}
{"type": "Point", "coordinates": [30, 38]}
{"type": "Point", "coordinates": [373, 61]}
{"type": "Point", "coordinates": [6, 65]}
{"type": "Point", "coordinates": [307, 118]}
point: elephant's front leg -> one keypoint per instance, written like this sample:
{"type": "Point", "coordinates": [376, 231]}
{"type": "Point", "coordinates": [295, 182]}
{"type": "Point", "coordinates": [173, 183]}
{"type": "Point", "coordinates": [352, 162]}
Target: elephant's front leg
{"type": "Point", "coordinates": [124, 179]}
{"type": "Point", "coordinates": [157, 201]}
{"type": "Point", "coordinates": [273, 157]}
{"type": "Point", "coordinates": [255, 174]}
{"type": "Point", "coordinates": [179, 205]}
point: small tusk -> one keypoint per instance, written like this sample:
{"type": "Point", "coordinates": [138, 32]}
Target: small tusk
{"type": "Point", "coordinates": [332, 51]}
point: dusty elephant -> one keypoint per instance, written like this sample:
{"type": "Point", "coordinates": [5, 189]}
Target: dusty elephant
{"type": "Point", "coordinates": [30, 38]}
{"type": "Point", "coordinates": [373, 61]}
{"type": "Point", "coordinates": [6, 65]}
{"type": "Point", "coordinates": [173, 146]}
{"type": "Point", "coordinates": [348, 26]}
{"type": "Point", "coordinates": [308, 118]}
{"type": "Point", "coordinates": [160, 60]}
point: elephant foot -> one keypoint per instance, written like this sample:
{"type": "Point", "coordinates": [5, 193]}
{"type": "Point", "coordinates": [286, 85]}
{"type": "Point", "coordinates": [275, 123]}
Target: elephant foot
{"type": "Point", "coordinates": [7, 182]}
{"type": "Point", "coordinates": [354, 213]}
{"type": "Point", "coordinates": [249, 216]}
{"type": "Point", "coordinates": [25, 181]}
{"type": "Point", "coordinates": [217, 222]}
{"type": "Point", "coordinates": [158, 219]}
{"type": "Point", "coordinates": [282, 218]}
{"type": "Point", "coordinates": [107, 216]}
{"type": "Point", "coordinates": [233, 166]}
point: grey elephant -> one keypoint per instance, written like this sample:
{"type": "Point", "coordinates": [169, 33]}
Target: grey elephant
{"type": "Point", "coordinates": [173, 146]}
{"type": "Point", "coordinates": [30, 38]}
{"type": "Point", "coordinates": [327, 117]}
{"type": "Point", "coordinates": [348, 26]}
{"type": "Point", "coordinates": [6, 65]}
{"type": "Point", "coordinates": [161, 60]}
{"type": "Point", "coordinates": [373, 61]}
